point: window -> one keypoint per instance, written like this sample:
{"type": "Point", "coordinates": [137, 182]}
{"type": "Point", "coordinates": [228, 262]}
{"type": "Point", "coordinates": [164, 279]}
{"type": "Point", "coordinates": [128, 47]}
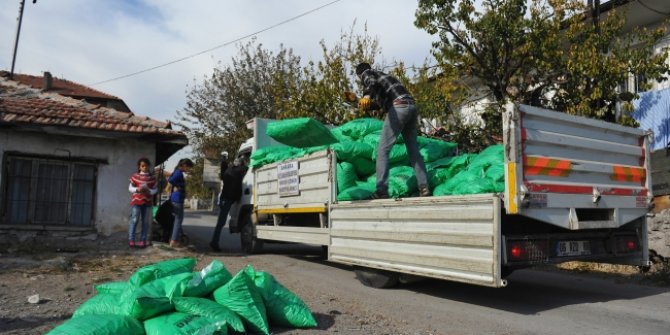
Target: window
{"type": "Point", "coordinates": [45, 191]}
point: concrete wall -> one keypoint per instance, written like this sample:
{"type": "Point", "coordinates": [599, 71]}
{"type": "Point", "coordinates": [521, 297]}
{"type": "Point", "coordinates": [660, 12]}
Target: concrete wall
{"type": "Point", "coordinates": [112, 206]}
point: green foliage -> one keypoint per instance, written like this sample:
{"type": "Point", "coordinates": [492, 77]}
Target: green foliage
{"type": "Point", "coordinates": [543, 53]}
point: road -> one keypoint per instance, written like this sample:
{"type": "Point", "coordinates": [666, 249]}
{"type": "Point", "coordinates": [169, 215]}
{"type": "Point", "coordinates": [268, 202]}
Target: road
{"type": "Point", "coordinates": [535, 302]}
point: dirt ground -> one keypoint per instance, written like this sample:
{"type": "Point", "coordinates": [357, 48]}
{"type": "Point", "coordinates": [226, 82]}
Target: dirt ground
{"type": "Point", "coordinates": [65, 278]}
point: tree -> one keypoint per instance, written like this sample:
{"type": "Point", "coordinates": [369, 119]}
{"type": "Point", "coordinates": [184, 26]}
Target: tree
{"type": "Point", "coordinates": [253, 85]}
{"type": "Point", "coordinates": [549, 54]}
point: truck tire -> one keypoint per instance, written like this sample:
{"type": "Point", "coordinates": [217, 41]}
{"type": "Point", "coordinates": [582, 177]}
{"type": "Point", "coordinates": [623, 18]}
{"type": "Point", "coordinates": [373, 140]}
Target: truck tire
{"type": "Point", "coordinates": [250, 244]}
{"type": "Point", "coordinates": [377, 278]}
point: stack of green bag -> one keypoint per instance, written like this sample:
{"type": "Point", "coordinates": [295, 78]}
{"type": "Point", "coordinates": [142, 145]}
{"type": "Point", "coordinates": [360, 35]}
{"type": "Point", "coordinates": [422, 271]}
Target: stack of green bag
{"type": "Point", "coordinates": [355, 147]}
{"type": "Point", "coordinates": [170, 298]}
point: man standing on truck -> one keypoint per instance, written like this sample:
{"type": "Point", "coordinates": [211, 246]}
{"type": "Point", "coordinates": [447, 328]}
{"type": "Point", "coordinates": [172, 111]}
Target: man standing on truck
{"type": "Point", "coordinates": [401, 118]}
{"type": "Point", "coordinates": [230, 193]}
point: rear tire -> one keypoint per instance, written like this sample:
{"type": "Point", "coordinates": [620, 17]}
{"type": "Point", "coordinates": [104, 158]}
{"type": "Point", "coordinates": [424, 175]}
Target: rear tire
{"type": "Point", "coordinates": [377, 278]}
{"type": "Point", "coordinates": [250, 244]}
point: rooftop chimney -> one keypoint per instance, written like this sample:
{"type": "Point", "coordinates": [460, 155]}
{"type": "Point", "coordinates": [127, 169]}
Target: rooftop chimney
{"type": "Point", "coordinates": [48, 81]}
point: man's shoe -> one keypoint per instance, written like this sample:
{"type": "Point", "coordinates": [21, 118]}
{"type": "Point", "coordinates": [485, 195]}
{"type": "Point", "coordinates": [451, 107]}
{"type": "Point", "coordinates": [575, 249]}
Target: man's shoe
{"type": "Point", "coordinates": [214, 247]}
{"type": "Point", "coordinates": [379, 195]}
{"type": "Point", "coordinates": [424, 191]}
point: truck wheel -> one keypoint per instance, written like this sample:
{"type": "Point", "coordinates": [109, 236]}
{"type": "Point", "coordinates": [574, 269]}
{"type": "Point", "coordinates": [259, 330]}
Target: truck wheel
{"type": "Point", "coordinates": [377, 278]}
{"type": "Point", "coordinates": [250, 244]}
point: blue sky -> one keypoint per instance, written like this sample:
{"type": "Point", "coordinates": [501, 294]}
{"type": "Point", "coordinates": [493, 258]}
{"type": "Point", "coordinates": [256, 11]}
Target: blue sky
{"type": "Point", "coordinates": [92, 41]}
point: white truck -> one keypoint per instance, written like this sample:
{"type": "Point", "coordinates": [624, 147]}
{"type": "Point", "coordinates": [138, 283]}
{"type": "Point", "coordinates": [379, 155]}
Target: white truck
{"type": "Point", "coordinates": [575, 189]}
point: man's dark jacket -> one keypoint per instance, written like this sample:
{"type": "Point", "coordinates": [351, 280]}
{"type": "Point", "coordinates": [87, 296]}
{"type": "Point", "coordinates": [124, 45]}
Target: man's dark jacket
{"type": "Point", "coordinates": [232, 182]}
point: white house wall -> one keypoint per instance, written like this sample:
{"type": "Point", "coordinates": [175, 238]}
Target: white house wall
{"type": "Point", "coordinates": [112, 207]}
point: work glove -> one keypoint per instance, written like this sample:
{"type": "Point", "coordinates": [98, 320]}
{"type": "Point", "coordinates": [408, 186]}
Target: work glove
{"type": "Point", "coordinates": [364, 103]}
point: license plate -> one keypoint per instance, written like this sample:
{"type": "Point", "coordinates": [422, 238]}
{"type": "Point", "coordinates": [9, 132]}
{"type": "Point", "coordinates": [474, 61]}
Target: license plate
{"type": "Point", "coordinates": [573, 248]}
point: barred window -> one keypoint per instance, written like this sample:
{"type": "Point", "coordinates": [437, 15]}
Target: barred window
{"type": "Point", "coordinates": [44, 191]}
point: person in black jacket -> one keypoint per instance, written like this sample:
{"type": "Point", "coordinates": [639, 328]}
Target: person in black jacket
{"type": "Point", "coordinates": [230, 193]}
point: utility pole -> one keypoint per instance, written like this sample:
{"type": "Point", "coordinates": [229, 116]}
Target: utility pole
{"type": "Point", "coordinates": [18, 32]}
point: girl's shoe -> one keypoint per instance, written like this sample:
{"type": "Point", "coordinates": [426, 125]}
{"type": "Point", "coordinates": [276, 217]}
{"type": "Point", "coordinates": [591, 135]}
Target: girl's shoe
{"type": "Point", "coordinates": [131, 244]}
{"type": "Point", "coordinates": [142, 244]}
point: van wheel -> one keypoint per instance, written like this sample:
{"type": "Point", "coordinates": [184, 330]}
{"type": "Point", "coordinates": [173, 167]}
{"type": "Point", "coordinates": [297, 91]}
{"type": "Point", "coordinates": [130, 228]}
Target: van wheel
{"type": "Point", "coordinates": [377, 278]}
{"type": "Point", "coordinates": [250, 244]}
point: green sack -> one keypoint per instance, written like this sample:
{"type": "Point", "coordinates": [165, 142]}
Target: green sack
{"type": "Point", "coordinates": [161, 269]}
{"type": "Point", "coordinates": [459, 163]}
{"type": "Point", "coordinates": [207, 280]}
{"type": "Point", "coordinates": [437, 176]}
{"type": "Point", "coordinates": [300, 132]}
{"type": "Point", "coordinates": [481, 185]}
{"type": "Point", "coordinates": [220, 314]}
{"type": "Point", "coordinates": [492, 155]}
{"type": "Point", "coordinates": [99, 325]}
{"type": "Point", "coordinates": [441, 189]}
{"type": "Point", "coordinates": [242, 297]}
{"type": "Point", "coordinates": [495, 173]}
{"type": "Point", "coordinates": [284, 308]}
{"type": "Point", "coordinates": [443, 162]}
{"type": "Point", "coordinates": [362, 191]}
{"type": "Point", "coordinates": [359, 128]}
{"type": "Point", "coordinates": [402, 182]}
{"type": "Point", "coordinates": [337, 133]}
{"type": "Point", "coordinates": [271, 154]}
{"type": "Point", "coordinates": [116, 287]}
{"type": "Point", "coordinates": [397, 154]}
{"type": "Point", "coordinates": [346, 176]}
{"type": "Point", "coordinates": [364, 166]}
{"type": "Point", "coordinates": [433, 149]}
{"type": "Point", "coordinates": [314, 149]}
{"type": "Point", "coordinates": [177, 323]}
{"type": "Point", "coordinates": [104, 303]}
{"type": "Point", "coordinates": [465, 176]}
{"type": "Point", "coordinates": [348, 150]}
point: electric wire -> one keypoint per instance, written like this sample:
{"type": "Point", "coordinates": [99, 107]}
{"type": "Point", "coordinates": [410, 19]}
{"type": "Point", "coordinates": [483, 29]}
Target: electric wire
{"type": "Point", "coordinates": [218, 46]}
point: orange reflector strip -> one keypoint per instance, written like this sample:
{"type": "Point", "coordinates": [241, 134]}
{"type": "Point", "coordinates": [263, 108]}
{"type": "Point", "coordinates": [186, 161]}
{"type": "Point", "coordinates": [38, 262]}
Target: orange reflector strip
{"type": "Point", "coordinates": [547, 166]}
{"type": "Point", "coordinates": [629, 174]}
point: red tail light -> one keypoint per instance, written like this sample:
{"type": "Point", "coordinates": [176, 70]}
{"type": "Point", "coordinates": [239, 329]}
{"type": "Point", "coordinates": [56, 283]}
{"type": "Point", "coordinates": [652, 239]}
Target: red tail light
{"type": "Point", "coordinates": [515, 251]}
{"type": "Point", "coordinates": [630, 245]}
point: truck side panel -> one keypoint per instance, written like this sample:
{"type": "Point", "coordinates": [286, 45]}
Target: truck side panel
{"type": "Point", "coordinates": [454, 238]}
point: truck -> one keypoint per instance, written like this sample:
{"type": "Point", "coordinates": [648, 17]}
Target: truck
{"type": "Point", "coordinates": [576, 189]}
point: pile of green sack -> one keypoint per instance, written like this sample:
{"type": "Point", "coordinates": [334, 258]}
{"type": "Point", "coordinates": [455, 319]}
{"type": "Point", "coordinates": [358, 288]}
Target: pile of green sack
{"type": "Point", "coordinates": [169, 298]}
{"type": "Point", "coordinates": [355, 144]}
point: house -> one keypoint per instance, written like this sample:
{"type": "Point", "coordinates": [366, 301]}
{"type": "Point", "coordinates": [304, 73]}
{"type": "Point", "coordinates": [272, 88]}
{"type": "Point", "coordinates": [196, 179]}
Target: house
{"type": "Point", "coordinates": [67, 152]}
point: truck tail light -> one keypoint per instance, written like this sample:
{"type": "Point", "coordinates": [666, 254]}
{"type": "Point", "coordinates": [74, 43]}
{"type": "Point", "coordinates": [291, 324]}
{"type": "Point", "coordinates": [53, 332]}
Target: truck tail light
{"type": "Point", "coordinates": [626, 244]}
{"type": "Point", "coordinates": [527, 251]}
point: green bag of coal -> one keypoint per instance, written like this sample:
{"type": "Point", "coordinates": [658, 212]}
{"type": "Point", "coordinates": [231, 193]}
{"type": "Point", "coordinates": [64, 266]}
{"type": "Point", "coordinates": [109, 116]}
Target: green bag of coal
{"type": "Point", "coordinates": [402, 182]}
{"type": "Point", "coordinates": [466, 176]}
{"type": "Point", "coordinates": [481, 185]}
{"type": "Point", "coordinates": [362, 191]}
{"type": "Point", "coordinates": [348, 150]}
{"type": "Point", "coordinates": [364, 166]}
{"type": "Point", "coordinates": [242, 297]}
{"type": "Point", "coordinates": [220, 314]}
{"type": "Point", "coordinates": [443, 162]}
{"type": "Point", "coordinates": [104, 303]}
{"type": "Point", "coordinates": [437, 176]}
{"type": "Point", "coordinates": [398, 154]}
{"type": "Point", "coordinates": [300, 132]}
{"type": "Point", "coordinates": [459, 164]}
{"type": "Point", "coordinates": [346, 176]}
{"type": "Point", "coordinates": [99, 325]}
{"type": "Point", "coordinates": [495, 173]}
{"type": "Point", "coordinates": [154, 271]}
{"type": "Point", "coordinates": [311, 150]}
{"type": "Point", "coordinates": [115, 287]}
{"type": "Point", "coordinates": [492, 155]}
{"type": "Point", "coordinates": [337, 133]}
{"type": "Point", "coordinates": [205, 281]}
{"type": "Point", "coordinates": [177, 323]}
{"type": "Point", "coordinates": [359, 128]}
{"type": "Point", "coordinates": [433, 149]}
{"type": "Point", "coordinates": [284, 308]}
{"type": "Point", "coordinates": [441, 190]}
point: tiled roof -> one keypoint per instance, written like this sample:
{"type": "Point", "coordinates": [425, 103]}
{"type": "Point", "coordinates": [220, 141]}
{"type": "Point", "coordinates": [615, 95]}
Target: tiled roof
{"type": "Point", "coordinates": [60, 86]}
{"type": "Point", "coordinates": [24, 105]}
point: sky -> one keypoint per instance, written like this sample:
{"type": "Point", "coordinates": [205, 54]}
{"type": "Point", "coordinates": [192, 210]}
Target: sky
{"type": "Point", "coordinates": [91, 42]}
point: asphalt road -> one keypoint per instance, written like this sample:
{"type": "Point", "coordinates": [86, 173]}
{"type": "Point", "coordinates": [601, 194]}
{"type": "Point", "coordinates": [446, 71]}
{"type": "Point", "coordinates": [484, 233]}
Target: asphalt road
{"type": "Point", "coordinates": [534, 302]}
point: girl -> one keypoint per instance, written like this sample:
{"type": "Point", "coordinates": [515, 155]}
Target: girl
{"type": "Point", "coordinates": [142, 187]}
{"type": "Point", "coordinates": [177, 198]}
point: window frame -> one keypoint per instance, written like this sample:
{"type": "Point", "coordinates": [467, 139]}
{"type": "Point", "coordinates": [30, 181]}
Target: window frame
{"type": "Point", "coordinates": [37, 161]}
